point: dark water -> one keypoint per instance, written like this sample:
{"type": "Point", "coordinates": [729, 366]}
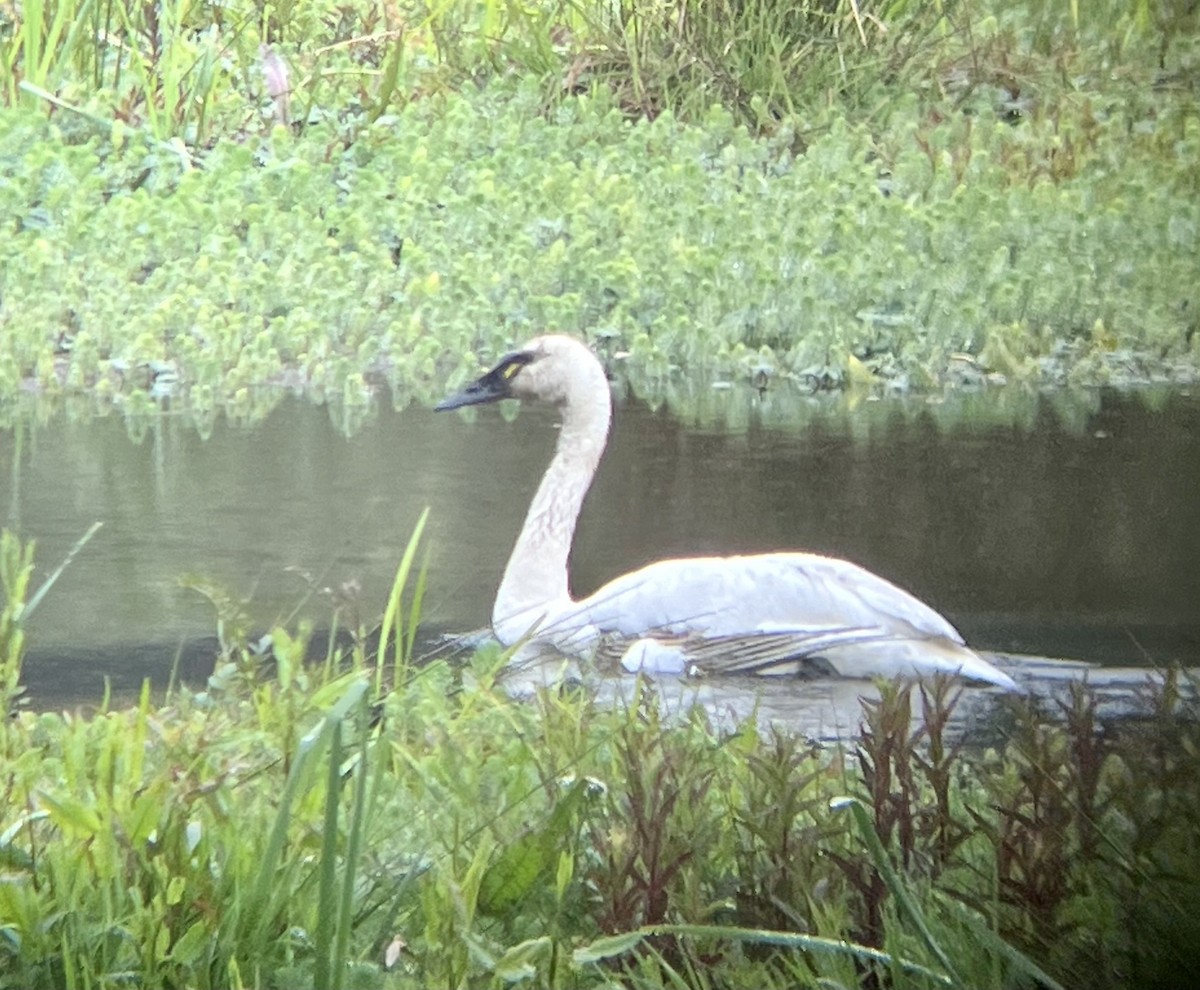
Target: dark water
{"type": "Point", "coordinates": [1064, 525]}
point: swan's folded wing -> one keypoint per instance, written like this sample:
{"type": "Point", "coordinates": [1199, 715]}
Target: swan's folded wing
{"type": "Point", "coordinates": [856, 652]}
{"type": "Point", "coordinates": [795, 654]}
{"type": "Point", "coordinates": [774, 613]}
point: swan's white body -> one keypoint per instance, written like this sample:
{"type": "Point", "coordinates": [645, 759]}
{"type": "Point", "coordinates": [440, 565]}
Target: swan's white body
{"type": "Point", "coordinates": [767, 613]}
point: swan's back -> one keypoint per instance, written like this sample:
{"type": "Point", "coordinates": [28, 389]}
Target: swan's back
{"type": "Point", "coordinates": [765, 593]}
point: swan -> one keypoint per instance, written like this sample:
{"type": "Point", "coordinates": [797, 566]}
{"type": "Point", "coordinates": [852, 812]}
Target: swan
{"type": "Point", "coordinates": [771, 613]}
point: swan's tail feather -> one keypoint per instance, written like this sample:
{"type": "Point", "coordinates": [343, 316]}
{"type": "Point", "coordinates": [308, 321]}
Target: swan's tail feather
{"type": "Point", "coordinates": [771, 654]}
{"type": "Point", "coordinates": [908, 657]}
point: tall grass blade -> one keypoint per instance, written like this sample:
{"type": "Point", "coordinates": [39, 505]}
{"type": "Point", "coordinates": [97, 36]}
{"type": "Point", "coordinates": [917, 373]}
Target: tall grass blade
{"type": "Point", "coordinates": [1021, 964]}
{"type": "Point", "coordinates": [792, 940]}
{"type": "Point", "coordinates": [393, 617]}
{"type": "Point", "coordinates": [414, 609]}
{"type": "Point", "coordinates": [55, 574]}
{"type": "Point", "coordinates": [266, 891]}
{"type": "Point", "coordinates": [879, 856]}
{"type": "Point", "coordinates": [390, 80]}
{"type": "Point", "coordinates": [327, 920]}
{"type": "Point", "coordinates": [353, 846]}
{"type": "Point", "coordinates": [34, 12]}
{"type": "Point", "coordinates": [175, 147]}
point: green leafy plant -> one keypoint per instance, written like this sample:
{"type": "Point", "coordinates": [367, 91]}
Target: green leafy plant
{"type": "Point", "coordinates": [16, 571]}
{"type": "Point", "coordinates": [826, 195]}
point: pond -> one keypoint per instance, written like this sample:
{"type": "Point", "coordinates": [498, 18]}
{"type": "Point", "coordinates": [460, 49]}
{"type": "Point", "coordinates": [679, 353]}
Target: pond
{"type": "Point", "coordinates": [1058, 524]}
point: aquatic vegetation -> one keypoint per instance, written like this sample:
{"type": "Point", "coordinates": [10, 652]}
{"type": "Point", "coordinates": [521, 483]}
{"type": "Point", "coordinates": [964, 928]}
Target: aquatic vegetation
{"type": "Point", "coordinates": [286, 826]}
{"type": "Point", "coordinates": [1010, 208]}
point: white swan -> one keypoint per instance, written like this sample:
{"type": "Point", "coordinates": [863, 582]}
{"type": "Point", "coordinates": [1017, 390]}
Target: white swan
{"type": "Point", "coordinates": [768, 613]}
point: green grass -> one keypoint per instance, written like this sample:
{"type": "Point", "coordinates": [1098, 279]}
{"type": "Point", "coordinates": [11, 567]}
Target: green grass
{"type": "Point", "coordinates": [287, 827]}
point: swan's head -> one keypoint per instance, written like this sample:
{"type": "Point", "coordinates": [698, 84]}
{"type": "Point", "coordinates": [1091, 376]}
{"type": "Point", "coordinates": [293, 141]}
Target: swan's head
{"type": "Point", "coordinates": [553, 368]}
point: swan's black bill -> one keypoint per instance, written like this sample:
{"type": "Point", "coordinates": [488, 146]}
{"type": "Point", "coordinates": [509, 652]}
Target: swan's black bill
{"type": "Point", "coordinates": [492, 387]}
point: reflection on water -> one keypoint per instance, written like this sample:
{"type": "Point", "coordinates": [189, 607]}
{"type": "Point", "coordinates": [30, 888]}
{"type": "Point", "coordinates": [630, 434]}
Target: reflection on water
{"type": "Point", "coordinates": [830, 709]}
{"type": "Point", "coordinates": [1057, 525]}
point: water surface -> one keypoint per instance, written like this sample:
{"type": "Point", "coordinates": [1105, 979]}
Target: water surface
{"type": "Point", "coordinates": [1059, 525]}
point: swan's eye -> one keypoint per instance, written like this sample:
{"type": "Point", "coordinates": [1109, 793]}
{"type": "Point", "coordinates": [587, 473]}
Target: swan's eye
{"type": "Point", "coordinates": [511, 364]}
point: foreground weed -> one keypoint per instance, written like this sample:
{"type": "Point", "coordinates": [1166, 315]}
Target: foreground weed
{"type": "Point", "coordinates": [658, 787]}
{"type": "Point", "coordinates": [16, 570]}
{"type": "Point", "coordinates": [280, 829]}
{"type": "Point", "coordinates": [780, 829]}
{"type": "Point", "coordinates": [886, 762]}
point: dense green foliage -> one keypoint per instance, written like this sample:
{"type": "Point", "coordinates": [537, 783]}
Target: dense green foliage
{"type": "Point", "coordinates": [1017, 187]}
{"type": "Point", "coordinates": [277, 830]}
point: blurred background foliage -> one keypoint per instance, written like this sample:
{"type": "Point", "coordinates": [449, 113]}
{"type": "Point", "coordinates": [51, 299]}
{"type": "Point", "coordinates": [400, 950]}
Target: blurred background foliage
{"type": "Point", "coordinates": [204, 199]}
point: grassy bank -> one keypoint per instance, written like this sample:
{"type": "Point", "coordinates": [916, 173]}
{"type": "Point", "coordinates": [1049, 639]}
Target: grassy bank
{"type": "Point", "coordinates": [897, 196]}
{"type": "Point", "coordinates": [346, 824]}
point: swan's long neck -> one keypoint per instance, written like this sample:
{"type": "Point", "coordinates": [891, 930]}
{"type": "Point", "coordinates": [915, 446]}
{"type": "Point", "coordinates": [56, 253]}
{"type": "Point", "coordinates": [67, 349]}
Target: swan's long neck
{"type": "Point", "coordinates": [536, 583]}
